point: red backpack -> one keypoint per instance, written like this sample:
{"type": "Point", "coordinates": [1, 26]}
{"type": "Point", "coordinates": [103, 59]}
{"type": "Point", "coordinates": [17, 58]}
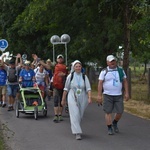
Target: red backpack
{"type": "Point", "coordinates": [58, 81]}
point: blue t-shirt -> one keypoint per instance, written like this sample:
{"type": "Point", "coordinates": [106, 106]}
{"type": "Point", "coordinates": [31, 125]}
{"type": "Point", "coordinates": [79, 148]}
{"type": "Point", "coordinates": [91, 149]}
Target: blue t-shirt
{"type": "Point", "coordinates": [27, 76]}
{"type": "Point", "coordinates": [3, 77]}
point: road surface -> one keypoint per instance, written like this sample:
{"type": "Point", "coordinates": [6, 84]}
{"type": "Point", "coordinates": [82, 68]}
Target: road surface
{"type": "Point", "coordinates": [26, 133]}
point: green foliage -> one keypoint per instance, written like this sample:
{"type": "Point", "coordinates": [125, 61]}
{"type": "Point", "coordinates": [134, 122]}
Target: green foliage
{"type": "Point", "coordinates": [96, 28]}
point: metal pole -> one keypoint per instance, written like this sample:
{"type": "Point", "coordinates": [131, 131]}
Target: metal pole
{"type": "Point", "coordinates": [53, 53]}
{"type": "Point", "coordinates": [66, 52]}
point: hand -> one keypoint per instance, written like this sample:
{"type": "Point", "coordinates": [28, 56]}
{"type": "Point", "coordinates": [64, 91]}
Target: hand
{"type": "Point", "coordinates": [61, 74]}
{"type": "Point", "coordinates": [89, 100]}
{"type": "Point", "coordinates": [18, 56]}
{"type": "Point", "coordinates": [126, 97]}
{"type": "Point", "coordinates": [3, 55]}
{"type": "Point", "coordinates": [34, 56]}
{"type": "Point", "coordinates": [99, 99]}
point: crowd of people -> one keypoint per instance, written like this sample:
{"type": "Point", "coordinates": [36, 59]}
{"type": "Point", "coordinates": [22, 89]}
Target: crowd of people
{"type": "Point", "coordinates": [70, 88]}
{"type": "Point", "coordinates": [16, 71]}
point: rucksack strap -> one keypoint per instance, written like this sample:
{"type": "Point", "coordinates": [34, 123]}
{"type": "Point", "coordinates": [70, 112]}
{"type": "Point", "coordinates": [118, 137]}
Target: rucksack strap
{"type": "Point", "coordinates": [83, 76]}
{"type": "Point", "coordinates": [72, 74]}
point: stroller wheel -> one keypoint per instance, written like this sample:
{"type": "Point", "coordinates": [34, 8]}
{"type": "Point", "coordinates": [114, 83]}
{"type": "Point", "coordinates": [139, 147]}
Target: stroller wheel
{"type": "Point", "coordinates": [17, 109]}
{"type": "Point", "coordinates": [36, 113]}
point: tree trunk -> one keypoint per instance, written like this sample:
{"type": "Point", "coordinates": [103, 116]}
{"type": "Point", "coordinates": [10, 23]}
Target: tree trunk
{"type": "Point", "coordinates": [126, 37]}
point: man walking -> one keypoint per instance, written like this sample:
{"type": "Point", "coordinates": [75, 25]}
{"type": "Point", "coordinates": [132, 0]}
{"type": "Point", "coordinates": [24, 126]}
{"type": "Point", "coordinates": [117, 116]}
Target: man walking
{"type": "Point", "coordinates": [111, 81]}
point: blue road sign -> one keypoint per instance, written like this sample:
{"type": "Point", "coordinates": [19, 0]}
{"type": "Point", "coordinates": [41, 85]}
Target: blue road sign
{"type": "Point", "coordinates": [3, 44]}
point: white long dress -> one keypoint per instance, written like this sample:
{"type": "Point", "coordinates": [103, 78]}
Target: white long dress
{"type": "Point", "coordinates": [77, 102]}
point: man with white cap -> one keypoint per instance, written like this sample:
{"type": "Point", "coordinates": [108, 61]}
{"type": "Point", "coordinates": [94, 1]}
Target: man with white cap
{"type": "Point", "coordinates": [111, 81]}
{"type": "Point", "coordinates": [59, 77]}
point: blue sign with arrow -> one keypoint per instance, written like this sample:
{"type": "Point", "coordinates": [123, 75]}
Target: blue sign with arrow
{"type": "Point", "coordinates": [3, 44]}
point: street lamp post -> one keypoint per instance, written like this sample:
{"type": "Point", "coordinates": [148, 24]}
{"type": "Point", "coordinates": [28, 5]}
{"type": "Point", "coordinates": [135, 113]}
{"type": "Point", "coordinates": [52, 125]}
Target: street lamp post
{"type": "Point", "coordinates": [55, 39]}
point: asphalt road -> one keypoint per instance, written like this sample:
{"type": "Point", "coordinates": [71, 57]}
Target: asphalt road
{"type": "Point", "coordinates": [26, 133]}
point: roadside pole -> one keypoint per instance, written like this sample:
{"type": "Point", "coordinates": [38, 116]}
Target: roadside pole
{"type": "Point", "coordinates": [148, 82]}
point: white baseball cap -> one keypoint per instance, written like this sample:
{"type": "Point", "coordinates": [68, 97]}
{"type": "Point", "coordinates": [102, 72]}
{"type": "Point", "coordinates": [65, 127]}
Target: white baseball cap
{"type": "Point", "coordinates": [60, 56]}
{"type": "Point", "coordinates": [110, 58]}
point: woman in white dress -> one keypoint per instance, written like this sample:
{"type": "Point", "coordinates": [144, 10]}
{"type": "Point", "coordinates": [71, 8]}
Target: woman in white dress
{"type": "Point", "coordinates": [79, 95]}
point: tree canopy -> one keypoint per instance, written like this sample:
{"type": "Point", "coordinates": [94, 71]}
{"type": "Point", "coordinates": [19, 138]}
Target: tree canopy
{"type": "Point", "coordinates": [96, 27]}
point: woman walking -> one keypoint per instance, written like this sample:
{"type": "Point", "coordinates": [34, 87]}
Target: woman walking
{"type": "Point", "coordinates": [78, 88]}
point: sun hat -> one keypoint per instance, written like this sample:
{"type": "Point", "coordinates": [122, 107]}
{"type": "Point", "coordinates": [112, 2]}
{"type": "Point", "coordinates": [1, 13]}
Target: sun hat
{"type": "Point", "coordinates": [48, 60]}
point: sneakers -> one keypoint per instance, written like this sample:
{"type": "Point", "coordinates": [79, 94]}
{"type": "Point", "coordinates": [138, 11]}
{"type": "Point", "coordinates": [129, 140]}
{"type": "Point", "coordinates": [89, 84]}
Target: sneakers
{"type": "Point", "coordinates": [60, 118]}
{"type": "Point", "coordinates": [55, 119]}
{"type": "Point", "coordinates": [115, 127]}
{"type": "Point", "coordinates": [110, 131]}
{"type": "Point", "coordinates": [78, 137]}
{"type": "Point", "coordinates": [3, 105]}
{"type": "Point", "coordinates": [10, 108]}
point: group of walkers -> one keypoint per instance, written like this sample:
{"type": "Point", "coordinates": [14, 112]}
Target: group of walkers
{"type": "Point", "coordinates": [16, 72]}
{"type": "Point", "coordinates": [70, 88]}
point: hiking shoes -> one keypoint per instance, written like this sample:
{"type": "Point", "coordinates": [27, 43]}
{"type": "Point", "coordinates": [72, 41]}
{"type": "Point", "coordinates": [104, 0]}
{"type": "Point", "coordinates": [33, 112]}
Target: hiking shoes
{"type": "Point", "coordinates": [115, 127]}
{"type": "Point", "coordinates": [55, 119]}
{"type": "Point", "coordinates": [110, 131]}
{"type": "Point", "coordinates": [78, 137]}
{"type": "Point", "coordinates": [4, 105]}
{"type": "Point", "coordinates": [60, 118]}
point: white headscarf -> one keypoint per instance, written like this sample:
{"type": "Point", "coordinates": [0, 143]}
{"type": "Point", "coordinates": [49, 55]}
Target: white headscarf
{"type": "Point", "coordinates": [73, 64]}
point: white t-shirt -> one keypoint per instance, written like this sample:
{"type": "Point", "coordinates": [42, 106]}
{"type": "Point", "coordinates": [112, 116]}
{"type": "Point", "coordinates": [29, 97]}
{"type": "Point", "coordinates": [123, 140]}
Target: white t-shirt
{"type": "Point", "coordinates": [40, 76]}
{"type": "Point", "coordinates": [111, 84]}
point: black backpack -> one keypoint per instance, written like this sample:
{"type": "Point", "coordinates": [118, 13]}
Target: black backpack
{"type": "Point", "coordinates": [12, 75]}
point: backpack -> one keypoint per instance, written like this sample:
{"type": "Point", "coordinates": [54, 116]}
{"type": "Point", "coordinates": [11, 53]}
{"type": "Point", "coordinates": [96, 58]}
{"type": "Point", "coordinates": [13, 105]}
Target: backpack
{"type": "Point", "coordinates": [120, 71]}
{"type": "Point", "coordinates": [72, 74]}
{"type": "Point", "coordinates": [58, 81]}
{"type": "Point", "coordinates": [12, 75]}
{"type": "Point", "coordinates": [83, 76]}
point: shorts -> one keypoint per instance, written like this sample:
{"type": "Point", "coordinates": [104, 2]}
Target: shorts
{"type": "Point", "coordinates": [12, 90]}
{"type": "Point", "coordinates": [57, 94]}
{"type": "Point", "coordinates": [2, 90]}
{"type": "Point", "coordinates": [113, 104]}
